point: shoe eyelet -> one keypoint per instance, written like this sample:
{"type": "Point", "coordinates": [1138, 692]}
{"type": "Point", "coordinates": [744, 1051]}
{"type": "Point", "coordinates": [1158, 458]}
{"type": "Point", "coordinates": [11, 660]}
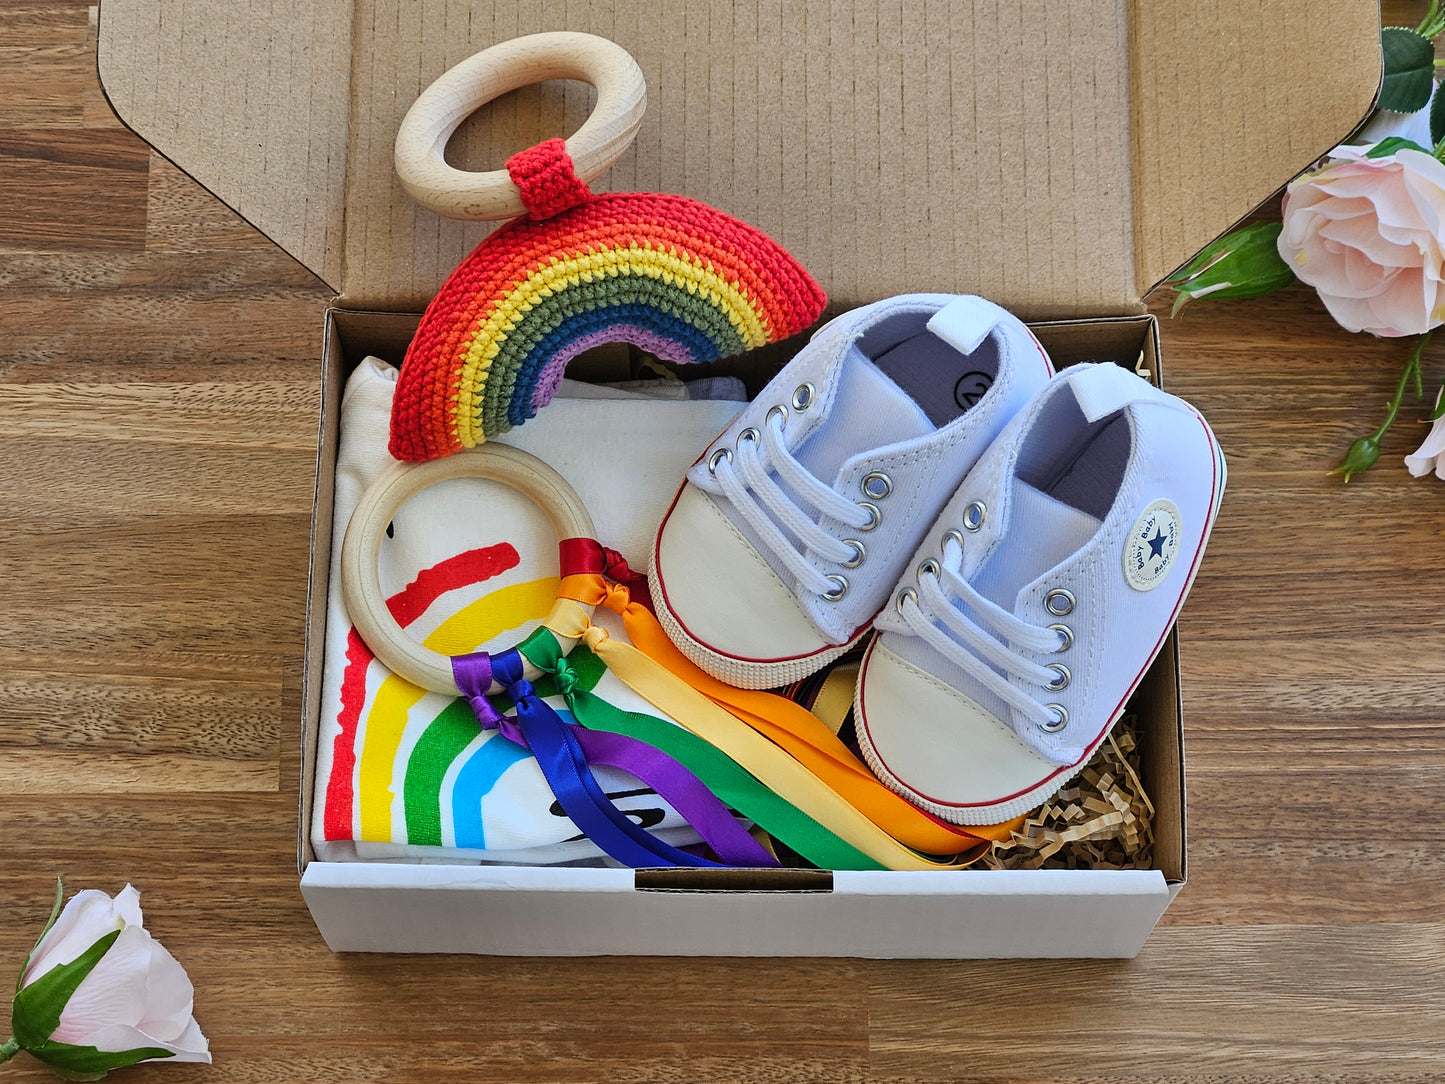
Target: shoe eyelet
{"type": "Point", "coordinates": [927, 568]}
{"type": "Point", "coordinates": [1059, 721]}
{"type": "Point", "coordinates": [1059, 602]}
{"type": "Point", "coordinates": [778, 409]}
{"type": "Point", "coordinates": [840, 587]}
{"type": "Point", "coordinates": [906, 593]}
{"type": "Point", "coordinates": [749, 434]}
{"type": "Point", "coordinates": [717, 458]}
{"type": "Point", "coordinates": [803, 397]}
{"type": "Point", "coordinates": [876, 517]}
{"type": "Point", "coordinates": [1068, 637]}
{"type": "Point", "coordinates": [1060, 682]}
{"type": "Point", "coordinates": [974, 515]}
{"type": "Point", "coordinates": [877, 485]}
{"type": "Point", "coordinates": [954, 534]}
{"type": "Point", "coordinates": [860, 552]}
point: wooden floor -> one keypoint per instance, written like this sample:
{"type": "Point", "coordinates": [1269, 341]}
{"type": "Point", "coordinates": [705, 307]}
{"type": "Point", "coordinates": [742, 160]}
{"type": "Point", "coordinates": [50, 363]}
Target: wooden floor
{"type": "Point", "coordinates": [158, 399]}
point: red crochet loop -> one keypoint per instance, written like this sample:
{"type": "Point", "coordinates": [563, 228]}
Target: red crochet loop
{"type": "Point", "coordinates": [548, 183]}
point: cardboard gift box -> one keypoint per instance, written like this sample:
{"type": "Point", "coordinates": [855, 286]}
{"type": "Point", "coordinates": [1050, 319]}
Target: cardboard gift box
{"type": "Point", "coordinates": [1058, 158]}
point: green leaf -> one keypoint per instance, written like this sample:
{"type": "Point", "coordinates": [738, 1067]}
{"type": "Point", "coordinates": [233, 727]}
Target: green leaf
{"type": "Point", "coordinates": [1439, 411]}
{"type": "Point", "coordinates": [1437, 119]}
{"type": "Point", "coordinates": [35, 1013]}
{"type": "Point", "coordinates": [88, 1063]}
{"type": "Point", "coordinates": [1391, 144]}
{"type": "Point", "coordinates": [1409, 69]}
{"type": "Point", "coordinates": [1245, 263]}
{"type": "Point", "coordinates": [50, 922]}
{"type": "Point", "coordinates": [1221, 247]}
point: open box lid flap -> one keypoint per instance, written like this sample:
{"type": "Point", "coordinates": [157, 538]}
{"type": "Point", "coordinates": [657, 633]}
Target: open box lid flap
{"type": "Point", "coordinates": [1060, 159]}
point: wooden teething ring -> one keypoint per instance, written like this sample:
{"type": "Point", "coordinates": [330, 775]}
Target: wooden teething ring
{"type": "Point", "coordinates": [422, 139]}
{"type": "Point", "coordinates": [360, 549]}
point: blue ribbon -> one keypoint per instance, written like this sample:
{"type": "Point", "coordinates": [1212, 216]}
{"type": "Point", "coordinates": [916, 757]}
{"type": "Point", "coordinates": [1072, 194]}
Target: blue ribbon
{"type": "Point", "coordinates": [562, 761]}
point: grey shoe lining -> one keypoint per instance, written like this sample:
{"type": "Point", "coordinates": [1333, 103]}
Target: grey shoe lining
{"type": "Point", "coordinates": [943, 382]}
{"type": "Point", "coordinates": [1073, 460]}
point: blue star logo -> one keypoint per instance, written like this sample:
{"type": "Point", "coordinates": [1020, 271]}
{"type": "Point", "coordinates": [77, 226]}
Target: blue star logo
{"type": "Point", "coordinates": [1156, 544]}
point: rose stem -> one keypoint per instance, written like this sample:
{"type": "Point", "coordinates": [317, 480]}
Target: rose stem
{"type": "Point", "coordinates": [1412, 368]}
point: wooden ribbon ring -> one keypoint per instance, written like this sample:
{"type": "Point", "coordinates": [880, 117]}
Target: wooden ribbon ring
{"type": "Point", "coordinates": [361, 548]}
{"type": "Point", "coordinates": [422, 139]}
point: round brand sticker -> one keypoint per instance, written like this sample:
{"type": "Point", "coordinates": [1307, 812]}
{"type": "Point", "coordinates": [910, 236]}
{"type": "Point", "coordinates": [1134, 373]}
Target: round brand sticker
{"type": "Point", "coordinates": [1152, 545]}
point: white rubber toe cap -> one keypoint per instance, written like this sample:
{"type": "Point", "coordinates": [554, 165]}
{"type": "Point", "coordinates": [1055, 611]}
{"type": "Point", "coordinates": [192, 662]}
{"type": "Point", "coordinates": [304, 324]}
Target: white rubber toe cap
{"type": "Point", "coordinates": [960, 763]}
{"type": "Point", "coordinates": [722, 605]}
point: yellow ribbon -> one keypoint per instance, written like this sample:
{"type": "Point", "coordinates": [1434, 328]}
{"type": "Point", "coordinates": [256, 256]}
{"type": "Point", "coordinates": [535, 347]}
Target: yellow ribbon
{"type": "Point", "coordinates": [790, 725]}
{"type": "Point", "coordinates": [771, 765]}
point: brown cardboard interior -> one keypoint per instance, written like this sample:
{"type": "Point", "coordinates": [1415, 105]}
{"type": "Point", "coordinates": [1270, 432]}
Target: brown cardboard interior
{"type": "Point", "coordinates": [1057, 158]}
{"type": "Point", "coordinates": [328, 436]}
{"type": "Point", "coordinates": [1130, 341]}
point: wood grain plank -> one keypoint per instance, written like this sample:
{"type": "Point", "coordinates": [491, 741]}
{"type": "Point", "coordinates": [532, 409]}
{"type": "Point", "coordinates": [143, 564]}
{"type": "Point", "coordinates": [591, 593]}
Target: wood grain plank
{"type": "Point", "coordinates": [1198, 1004]}
{"type": "Point", "coordinates": [47, 771]}
{"type": "Point", "coordinates": [183, 217]}
{"type": "Point", "coordinates": [29, 25]}
{"type": "Point", "coordinates": [139, 715]}
{"type": "Point", "coordinates": [250, 414]}
{"type": "Point", "coordinates": [1335, 877]}
{"type": "Point", "coordinates": [194, 315]}
{"type": "Point", "coordinates": [42, 170]}
{"type": "Point", "coordinates": [44, 84]}
{"type": "Point", "coordinates": [142, 604]}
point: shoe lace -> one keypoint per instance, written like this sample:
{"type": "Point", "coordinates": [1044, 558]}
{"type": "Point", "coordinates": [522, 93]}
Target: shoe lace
{"type": "Point", "coordinates": [999, 638]}
{"type": "Point", "coordinates": [777, 514]}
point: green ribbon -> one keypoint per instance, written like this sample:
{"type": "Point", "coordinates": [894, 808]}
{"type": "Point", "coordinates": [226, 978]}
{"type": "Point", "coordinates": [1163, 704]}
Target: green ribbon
{"type": "Point", "coordinates": [733, 785]}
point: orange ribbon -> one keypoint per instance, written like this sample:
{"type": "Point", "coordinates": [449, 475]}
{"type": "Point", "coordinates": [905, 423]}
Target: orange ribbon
{"type": "Point", "coordinates": [792, 727]}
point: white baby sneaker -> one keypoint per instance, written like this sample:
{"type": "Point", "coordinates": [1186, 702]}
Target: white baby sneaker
{"type": "Point", "coordinates": [791, 529]}
{"type": "Point", "coordinates": [1039, 598]}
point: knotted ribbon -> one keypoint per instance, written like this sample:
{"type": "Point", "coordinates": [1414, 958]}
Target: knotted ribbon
{"type": "Point", "coordinates": [564, 753]}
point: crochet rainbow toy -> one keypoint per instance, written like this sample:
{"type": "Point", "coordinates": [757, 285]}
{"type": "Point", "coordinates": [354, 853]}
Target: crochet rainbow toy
{"type": "Point", "coordinates": [673, 276]}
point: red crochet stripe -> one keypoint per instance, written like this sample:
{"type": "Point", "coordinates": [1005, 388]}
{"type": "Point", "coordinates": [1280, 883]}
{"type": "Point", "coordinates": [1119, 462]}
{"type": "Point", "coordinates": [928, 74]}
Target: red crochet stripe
{"type": "Point", "coordinates": [548, 182]}
{"type": "Point", "coordinates": [423, 418]}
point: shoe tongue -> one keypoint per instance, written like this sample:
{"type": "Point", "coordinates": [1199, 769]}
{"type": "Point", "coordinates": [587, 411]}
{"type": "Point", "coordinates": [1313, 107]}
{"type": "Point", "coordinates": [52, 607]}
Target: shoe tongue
{"type": "Point", "coordinates": [868, 411]}
{"type": "Point", "coordinates": [1042, 532]}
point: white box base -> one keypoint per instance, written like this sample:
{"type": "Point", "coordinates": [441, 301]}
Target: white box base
{"type": "Point", "coordinates": [539, 911]}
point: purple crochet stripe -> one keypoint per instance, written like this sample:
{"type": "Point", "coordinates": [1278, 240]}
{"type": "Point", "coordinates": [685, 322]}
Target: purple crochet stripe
{"type": "Point", "coordinates": [658, 345]}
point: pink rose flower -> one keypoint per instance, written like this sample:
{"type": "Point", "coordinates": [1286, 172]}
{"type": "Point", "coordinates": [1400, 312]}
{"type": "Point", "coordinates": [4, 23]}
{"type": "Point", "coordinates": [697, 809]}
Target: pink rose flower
{"type": "Point", "coordinates": [132, 1001]}
{"type": "Point", "coordinates": [1367, 233]}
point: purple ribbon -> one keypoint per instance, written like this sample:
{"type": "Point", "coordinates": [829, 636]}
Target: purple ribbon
{"type": "Point", "coordinates": [564, 752]}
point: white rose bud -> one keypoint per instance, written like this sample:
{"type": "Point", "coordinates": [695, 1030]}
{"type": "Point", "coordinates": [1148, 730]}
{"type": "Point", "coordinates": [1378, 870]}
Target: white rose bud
{"type": "Point", "coordinates": [98, 993]}
{"type": "Point", "coordinates": [1430, 456]}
